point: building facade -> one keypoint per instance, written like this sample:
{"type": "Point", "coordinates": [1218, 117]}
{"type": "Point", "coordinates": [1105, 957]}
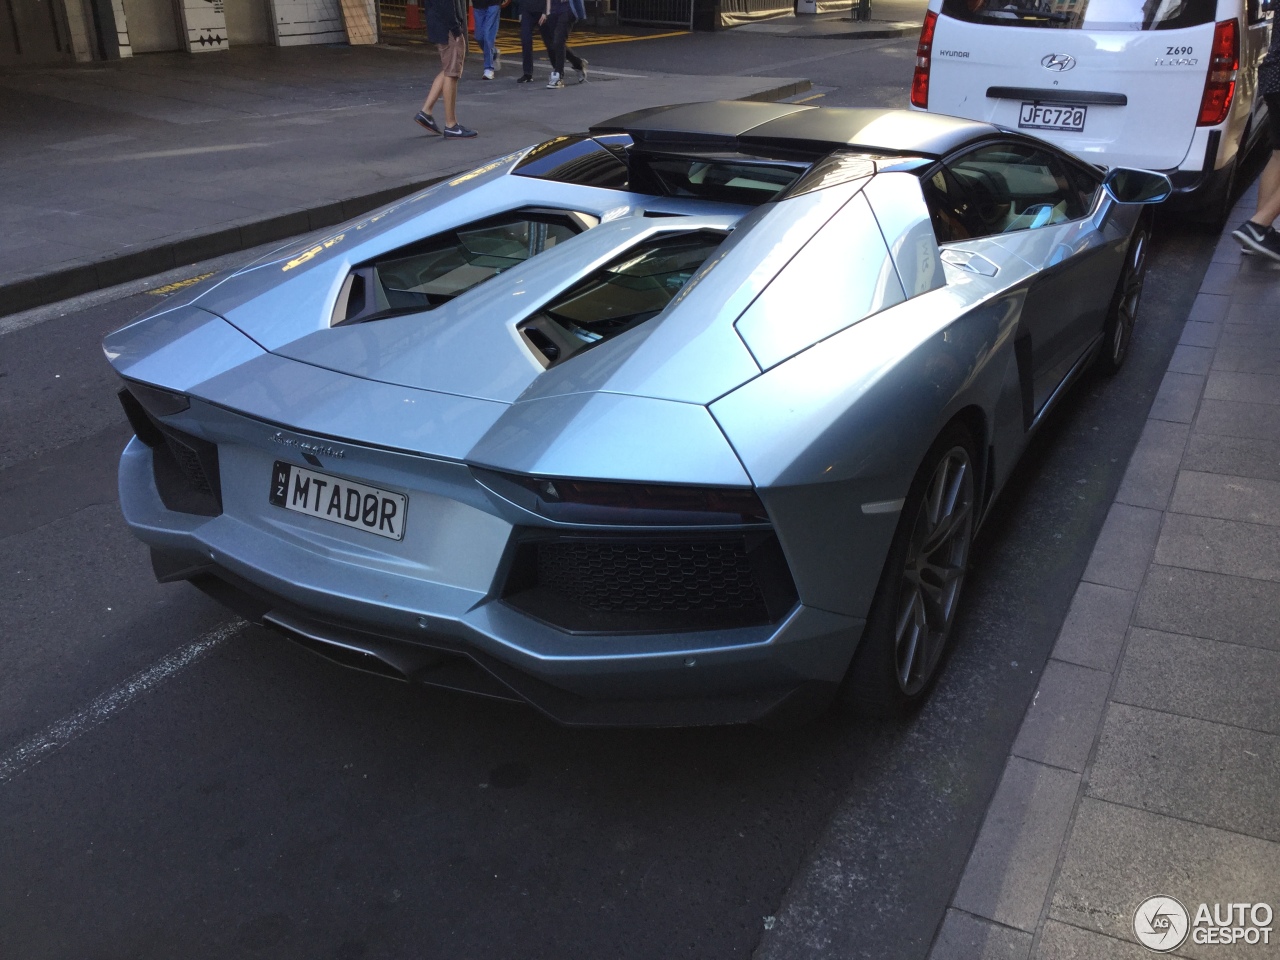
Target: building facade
{"type": "Point", "coordinates": [49, 31]}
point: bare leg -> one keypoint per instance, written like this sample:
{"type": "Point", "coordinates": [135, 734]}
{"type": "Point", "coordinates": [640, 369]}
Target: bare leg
{"type": "Point", "coordinates": [450, 101]}
{"type": "Point", "coordinates": [1268, 192]}
{"type": "Point", "coordinates": [437, 86]}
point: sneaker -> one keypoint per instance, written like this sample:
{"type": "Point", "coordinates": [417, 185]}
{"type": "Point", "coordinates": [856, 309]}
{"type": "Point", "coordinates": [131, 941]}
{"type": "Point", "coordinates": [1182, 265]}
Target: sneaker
{"type": "Point", "coordinates": [581, 71]}
{"type": "Point", "coordinates": [525, 78]}
{"type": "Point", "coordinates": [458, 131]}
{"type": "Point", "coordinates": [488, 74]}
{"type": "Point", "coordinates": [1263, 240]}
{"type": "Point", "coordinates": [555, 83]}
{"type": "Point", "coordinates": [497, 61]}
{"type": "Point", "coordinates": [423, 119]}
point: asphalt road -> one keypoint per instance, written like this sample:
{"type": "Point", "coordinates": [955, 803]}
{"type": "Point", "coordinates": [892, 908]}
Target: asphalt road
{"type": "Point", "coordinates": [173, 784]}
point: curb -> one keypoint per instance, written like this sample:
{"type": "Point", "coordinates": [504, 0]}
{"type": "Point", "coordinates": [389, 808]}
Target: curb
{"type": "Point", "coordinates": [38, 291]}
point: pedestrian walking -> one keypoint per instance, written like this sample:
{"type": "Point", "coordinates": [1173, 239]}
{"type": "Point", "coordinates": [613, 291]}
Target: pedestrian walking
{"type": "Point", "coordinates": [446, 28]}
{"type": "Point", "coordinates": [487, 14]}
{"type": "Point", "coordinates": [557, 23]}
{"type": "Point", "coordinates": [530, 16]}
{"type": "Point", "coordinates": [1257, 234]}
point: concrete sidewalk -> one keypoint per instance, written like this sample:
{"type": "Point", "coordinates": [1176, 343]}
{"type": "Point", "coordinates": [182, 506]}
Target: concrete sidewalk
{"type": "Point", "coordinates": [1148, 762]}
{"type": "Point", "coordinates": [118, 170]}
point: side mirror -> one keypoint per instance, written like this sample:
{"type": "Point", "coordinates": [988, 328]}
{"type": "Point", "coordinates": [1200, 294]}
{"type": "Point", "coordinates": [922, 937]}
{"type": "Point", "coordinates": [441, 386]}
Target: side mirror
{"type": "Point", "coordinates": [1127, 185]}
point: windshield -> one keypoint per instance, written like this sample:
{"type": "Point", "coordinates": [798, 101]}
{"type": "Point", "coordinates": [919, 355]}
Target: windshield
{"type": "Point", "coordinates": [1085, 14]}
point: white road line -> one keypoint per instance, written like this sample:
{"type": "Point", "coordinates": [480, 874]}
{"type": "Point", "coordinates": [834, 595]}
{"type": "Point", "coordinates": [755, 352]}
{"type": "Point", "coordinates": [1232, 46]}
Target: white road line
{"type": "Point", "coordinates": [103, 708]}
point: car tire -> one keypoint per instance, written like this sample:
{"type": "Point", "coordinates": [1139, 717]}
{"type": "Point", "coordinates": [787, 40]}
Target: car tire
{"type": "Point", "coordinates": [902, 646]}
{"type": "Point", "coordinates": [1117, 332]}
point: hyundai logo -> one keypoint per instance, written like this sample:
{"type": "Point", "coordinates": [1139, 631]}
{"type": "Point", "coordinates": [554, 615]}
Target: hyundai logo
{"type": "Point", "coordinates": [1058, 61]}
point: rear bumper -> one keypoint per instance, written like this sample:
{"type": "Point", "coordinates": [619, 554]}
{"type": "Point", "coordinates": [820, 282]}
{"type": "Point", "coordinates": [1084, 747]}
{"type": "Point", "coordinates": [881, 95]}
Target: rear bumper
{"type": "Point", "coordinates": [378, 619]}
{"type": "Point", "coordinates": [450, 656]}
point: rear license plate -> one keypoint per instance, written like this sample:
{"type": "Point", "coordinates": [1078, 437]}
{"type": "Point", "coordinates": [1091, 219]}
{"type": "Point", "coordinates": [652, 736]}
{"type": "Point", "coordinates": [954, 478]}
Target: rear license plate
{"type": "Point", "coordinates": [1053, 116]}
{"type": "Point", "coordinates": [340, 501]}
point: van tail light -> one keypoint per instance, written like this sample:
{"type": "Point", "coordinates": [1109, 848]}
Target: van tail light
{"type": "Point", "coordinates": [1220, 84]}
{"type": "Point", "coordinates": [924, 51]}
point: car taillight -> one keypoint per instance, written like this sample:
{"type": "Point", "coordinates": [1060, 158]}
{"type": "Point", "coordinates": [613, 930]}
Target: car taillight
{"type": "Point", "coordinates": [1220, 84]}
{"type": "Point", "coordinates": [924, 49]}
{"type": "Point", "coordinates": [597, 501]}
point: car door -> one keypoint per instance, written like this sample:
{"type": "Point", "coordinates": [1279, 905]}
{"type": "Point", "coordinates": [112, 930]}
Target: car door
{"type": "Point", "coordinates": [1027, 200]}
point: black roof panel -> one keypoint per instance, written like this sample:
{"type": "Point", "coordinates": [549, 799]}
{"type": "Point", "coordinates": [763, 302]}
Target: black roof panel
{"type": "Point", "coordinates": [742, 125]}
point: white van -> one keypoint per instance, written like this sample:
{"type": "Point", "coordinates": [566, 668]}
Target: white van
{"type": "Point", "coordinates": [1166, 85]}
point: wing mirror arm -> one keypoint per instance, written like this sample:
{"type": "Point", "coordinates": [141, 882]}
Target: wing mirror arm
{"type": "Point", "coordinates": [1129, 185]}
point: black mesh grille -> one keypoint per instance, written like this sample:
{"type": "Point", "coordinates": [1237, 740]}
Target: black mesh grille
{"type": "Point", "coordinates": [189, 463]}
{"type": "Point", "coordinates": [651, 577]}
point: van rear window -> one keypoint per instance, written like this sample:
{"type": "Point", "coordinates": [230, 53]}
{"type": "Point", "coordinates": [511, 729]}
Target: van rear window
{"type": "Point", "coordinates": [1085, 14]}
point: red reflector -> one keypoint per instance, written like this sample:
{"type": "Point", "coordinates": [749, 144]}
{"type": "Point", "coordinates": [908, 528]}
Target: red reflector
{"type": "Point", "coordinates": [1220, 81]}
{"type": "Point", "coordinates": [924, 50]}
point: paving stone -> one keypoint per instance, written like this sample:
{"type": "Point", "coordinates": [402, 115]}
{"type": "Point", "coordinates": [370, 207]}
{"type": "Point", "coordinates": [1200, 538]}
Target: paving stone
{"type": "Point", "coordinates": [966, 937]}
{"type": "Point", "coordinates": [1012, 862]}
{"type": "Point", "coordinates": [1242, 387]}
{"type": "Point", "coordinates": [1118, 856]}
{"type": "Point", "coordinates": [1254, 283]}
{"type": "Point", "coordinates": [1228, 250]}
{"type": "Point", "coordinates": [1124, 547]}
{"type": "Point", "coordinates": [1239, 610]}
{"type": "Point", "coordinates": [1094, 629]}
{"type": "Point", "coordinates": [1241, 312]}
{"type": "Point", "coordinates": [1220, 546]}
{"type": "Point", "coordinates": [1062, 721]}
{"type": "Point", "coordinates": [1060, 941]}
{"type": "Point", "coordinates": [1232, 456]}
{"type": "Point", "coordinates": [1208, 308]}
{"type": "Point", "coordinates": [1206, 679]}
{"type": "Point", "coordinates": [1177, 397]}
{"type": "Point", "coordinates": [1230, 498]}
{"type": "Point", "coordinates": [1189, 359]}
{"type": "Point", "coordinates": [1250, 334]}
{"type": "Point", "coordinates": [1230, 419]}
{"type": "Point", "coordinates": [1220, 278]}
{"type": "Point", "coordinates": [1244, 360]}
{"type": "Point", "coordinates": [1209, 773]}
{"type": "Point", "coordinates": [1198, 334]}
{"type": "Point", "coordinates": [1149, 478]}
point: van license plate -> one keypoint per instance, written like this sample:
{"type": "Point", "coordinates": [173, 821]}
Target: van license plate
{"type": "Point", "coordinates": [1053, 116]}
{"type": "Point", "coordinates": [340, 501]}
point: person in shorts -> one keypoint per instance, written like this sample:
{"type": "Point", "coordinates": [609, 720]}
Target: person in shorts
{"type": "Point", "coordinates": [1257, 235]}
{"type": "Point", "coordinates": [446, 29]}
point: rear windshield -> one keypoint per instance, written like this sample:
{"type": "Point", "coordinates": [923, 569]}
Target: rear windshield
{"type": "Point", "coordinates": [613, 161]}
{"type": "Point", "coordinates": [631, 289]}
{"type": "Point", "coordinates": [1085, 14]}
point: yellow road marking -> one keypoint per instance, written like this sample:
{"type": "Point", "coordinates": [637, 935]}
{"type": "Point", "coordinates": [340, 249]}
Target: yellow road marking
{"type": "Point", "coordinates": [171, 287]}
{"type": "Point", "coordinates": [807, 99]}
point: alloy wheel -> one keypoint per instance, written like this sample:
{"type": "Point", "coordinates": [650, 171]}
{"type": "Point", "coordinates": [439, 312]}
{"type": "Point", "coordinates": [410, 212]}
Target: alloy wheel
{"type": "Point", "coordinates": [934, 568]}
{"type": "Point", "coordinates": [1135, 269]}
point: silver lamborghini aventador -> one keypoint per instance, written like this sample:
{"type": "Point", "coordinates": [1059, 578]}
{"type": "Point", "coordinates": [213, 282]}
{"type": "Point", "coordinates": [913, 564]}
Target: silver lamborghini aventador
{"type": "Point", "coordinates": [688, 419]}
